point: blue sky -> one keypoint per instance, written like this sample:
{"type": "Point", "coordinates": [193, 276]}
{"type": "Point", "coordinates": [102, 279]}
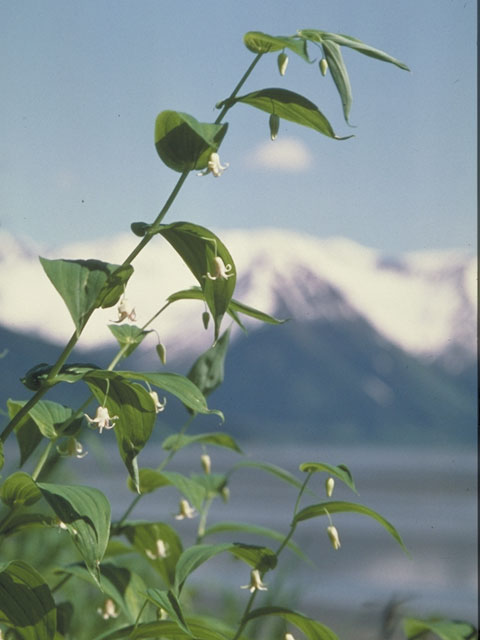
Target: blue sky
{"type": "Point", "coordinates": [82, 83]}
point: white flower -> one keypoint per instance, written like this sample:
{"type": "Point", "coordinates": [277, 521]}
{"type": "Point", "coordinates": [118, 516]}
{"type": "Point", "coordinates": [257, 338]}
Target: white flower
{"type": "Point", "coordinates": [206, 462]}
{"type": "Point", "coordinates": [289, 636]}
{"type": "Point", "coordinates": [159, 406]}
{"type": "Point", "coordinates": [72, 448]}
{"type": "Point", "coordinates": [185, 511]}
{"type": "Point", "coordinates": [256, 583]}
{"type": "Point", "coordinates": [214, 166]}
{"type": "Point", "coordinates": [102, 419]}
{"type": "Point", "coordinates": [108, 610]}
{"type": "Point", "coordinates": [329, 485]}
{"type": "Point", "coordinates": [333, 535]}
{"type": "Point", "coordinates": [125, 311]}
{"type": "Point", "coordinates": [160, 552]}
{"type": "Point", "coordinates": [222, 270]}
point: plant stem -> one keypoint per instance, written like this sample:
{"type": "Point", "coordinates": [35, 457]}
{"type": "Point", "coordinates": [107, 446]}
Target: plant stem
{"type": "Point", "coordinates": [22, 414]}
{"type": "Point", "coordinates": [227, 103]}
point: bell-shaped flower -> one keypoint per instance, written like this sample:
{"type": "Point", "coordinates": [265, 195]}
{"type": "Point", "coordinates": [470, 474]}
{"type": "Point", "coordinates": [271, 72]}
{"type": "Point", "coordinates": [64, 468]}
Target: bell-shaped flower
{"type": "Point", "coordinates": [214, 166]}
{"type": "Point", "coordinates": [334, 538]}
{"type": "Point", "coordinates": [102, 419]}
{"type": "Point", "coordinates": [161, 551]}
{"type": "Point", "coordinates": [256, 583]}
{"type": "Point", "coordinates": [125, 311]}
{"type": "Point", "coordinates": [185, 510]}
{"type": "Point", "coordinates": [72, 448]}
{"type": "Point", "coordinates": [289, 636]}
{"type": "Point", "coordinates": [108, 610]}
{"type": "Point", "coordinates": [222, 270]}
{"type": "Point", "coordinates": [159, 406]}
{"type": "Point", "coordinates": [329, 486]}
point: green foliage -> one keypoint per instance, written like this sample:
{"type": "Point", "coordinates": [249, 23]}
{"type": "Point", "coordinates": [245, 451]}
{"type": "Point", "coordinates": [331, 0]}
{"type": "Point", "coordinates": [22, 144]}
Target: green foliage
{"type": "Point", "coordinates": [443, 629]}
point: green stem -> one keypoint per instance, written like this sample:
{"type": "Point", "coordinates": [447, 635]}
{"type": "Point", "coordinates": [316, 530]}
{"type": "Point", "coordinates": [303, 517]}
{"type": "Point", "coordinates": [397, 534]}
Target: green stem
{"type": "Point", "coordinates": [42, 461]}
{"type": "Point", "coordinates": [203, 520]}
{"type": "Point", "coordinates": [61, 583]}
{"type": "Point", "coordinates": [228, 102]}
{"type": "Point", "coordinates": [21, 415]}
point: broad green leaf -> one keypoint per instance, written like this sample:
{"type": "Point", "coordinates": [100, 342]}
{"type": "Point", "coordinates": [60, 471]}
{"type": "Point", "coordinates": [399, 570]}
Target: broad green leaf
{"type": "Point", "coordinates": [86, 285]}
{"type": "Point", "coordinates": [284, 475]}
{"type": "Point", "coordinates": [208, 370]}
{"type": "Point", "coordinates": [144, 537]}
{"type": "Point", "coordinates": [316, 510]}
{"type": "Point", "coordinates": [37, 375]}
{"type": "Point", "coordinates": [177, 385]}
{"type": "Point", "coordinates": [198, 247]}
{"type": "Point", "coordinates": [333, 55]}
{"type": "Point", "coordinates": [19, 489]}
{"type": "Point", "coordinates": [313, 629]}
{"type": "Point", "coordinates": [176, 442]}
{"type": "Point", "coordinates": [48, 416]}
{"type": "Point", "coordinates": [168, 601]}
{"type": "Point", "coordinates": [169, 629]}
{"type": "Point", "coordinates": [222, 527]}
{"type": "Point", "coordinates": [259, 42]}
{"type": "Point", "coordinates": [27, 433]}
{"type": "Point", "coordinates": [196, 555]}
{"type": "Point", "coordinates": [353, 43]}
{"type": "Point", "coordinates": [135, 411]}
{"type": "Point", "coordinates": [128, 336]}
{"type": "Point", "coordinates": [443, 629]}
{"type": "Point", "coordinates": [65, 612]}
{"type": "Point", "coordinates": [341, 471]}
{"type": "Point", "coordinates": [119, 583]}
{"type": "Point", "coordinates": [290, 106]}
{"type": "Point", "coordinates": [213, 483]}
{"type": "Point", "coordinates": [151, 480]}
{"type": "Point", "coordinates": [85, 513]}
{"type": "Point", "coordinates": [183, 143]}
{"type": "Point", "coordinates": [20, 521]}
{"type": "Point", "coordinates": [26, 603]}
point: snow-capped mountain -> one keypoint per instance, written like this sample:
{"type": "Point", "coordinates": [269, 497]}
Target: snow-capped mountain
{"type": "Point", "coordinates": [423, 302]}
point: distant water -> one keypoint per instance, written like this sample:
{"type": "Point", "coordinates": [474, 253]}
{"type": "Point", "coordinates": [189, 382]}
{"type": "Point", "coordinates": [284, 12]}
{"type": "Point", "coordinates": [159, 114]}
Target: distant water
{"type": "Point", "coordinates": [429, 496]}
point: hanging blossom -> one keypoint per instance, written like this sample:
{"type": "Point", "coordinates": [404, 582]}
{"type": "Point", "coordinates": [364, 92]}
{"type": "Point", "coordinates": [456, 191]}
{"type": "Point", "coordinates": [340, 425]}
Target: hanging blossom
{"type": "Point", "coordinates": [159, 406]}
{"type": "Point", "coordinates": [206, 463]}
{"type": "Point", "coordinates": [72, 448]}
{"type": "Point", "coordinates": [108, 610]}
{"type": "Point", "coordinates": [329, 486]}
{"type": "Point", "coordinates": [256, 583]}
{"type": "Point", "coordinates": [125, 311]}
{"type": "Point", "coordinates": [102, 419]}
{"type": "Point", "coordinates": [214, 166]}
{"type": "Point", "coordinates": [185, 511]}
{"type": "Point", "coordinates": [161, 550]}
{"type": "Point", "coordinates": [289, 636]}
{"type": "Point", "coordinates": [334, 538]}
{"type": "Point", "coordinates": [222, 270]}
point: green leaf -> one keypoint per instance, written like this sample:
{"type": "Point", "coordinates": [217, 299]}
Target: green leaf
{"type": "Point", "coordinates": [135, 410]}
{"type": "Point", "coordinates": [183, 143]}
{"type": "Point", "coordinates": [222, 527]}
{"type": "Point", "coordinates": [342, 472]}
{"type": "Point", "coordinates": [443, 629]}
{"type": "Point", "coordinates": [208, 370]}
{"type": "Point", "coordinates": [19, 489]}
{"type": "Point", "coordinates": [144, 536]}
{"type": "Point", "coordinates": [28, 434]}
{"type": "Point", "coordinates": [48, 416]}
{"type": "Point", "coordinates": [176, 442]}
{"type": "Point", "coordinates": [290, 106]}
{"type": "Point", "coordinates": [26, 603]}
{"type": "Point", "coordinates": [168, 601]}
{"type": "Point", "coordinates": [21, 521]}
{"type": "Point", "coordinates": [86, 285]}
{"type": "Point", "coordinates": [151, 480]}
{"type": "Point", "coordinates": [284, 475]}
{"type": "Point", "coordinates": [128, 336]}
{"type": "Point", "coordinates": [177, 385]}
{"type": "Point", "coordinates": [37, 375]}
{"type": "Point", "coordinates": [333, 55]}
{"type": "Point", "coordinates": [311, 628]}
{"type": "Point", "coordinates": [198, 247]}
{"type": "Point", "coordinates": [316, 510]}
{"type": "Point", "coordinates": [85, 512]}
{"type": "Point", "coordinates": [2, 455]}
{"type": "Point", "coordinates": [169, 629]}
{"type": "Point", "coordinates": [259, 42]}
{"type": "Point", "coordinates": [119, 583]}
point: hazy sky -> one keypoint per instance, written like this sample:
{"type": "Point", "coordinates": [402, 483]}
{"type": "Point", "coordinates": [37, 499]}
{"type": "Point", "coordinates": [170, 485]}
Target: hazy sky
{"type": "Point", "coordinates": [82, 83]}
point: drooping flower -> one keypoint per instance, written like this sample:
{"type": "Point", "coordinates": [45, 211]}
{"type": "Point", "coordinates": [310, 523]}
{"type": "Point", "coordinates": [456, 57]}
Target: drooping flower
{"type": "Point", "coordinates": [72, 447]}
{"type": "Point", "coordinates": [329, 486]}
{"type": "Point", "coordinates": [282, 62]}
{"type": "Point", "coordinates": [160, 552]}
{"type": "Point", "coordinates": [334, 538]}
{"type": "Point", "coordinates": [185, 510]}
{"type": "Point", "coordinates": [159, 406]}
{"type": "Point", "coordinates": [323, 64]}
{"type": "Point", "coordinates": [256, 583]}
{"type": "Point", "coordinates": [289, 636]}
{"type": "Point", "coordinates": [102, 419]}
{"type": "Point", "coordinates": [222, 270]}
{"type": "Point", "coordinates": [214, 166]}
{"type": "Point", "coordinates": [125, 311]}
{"type": "Point", "coordinates": [206, 462]}
{"type": "Point", "coordinates": [108, 610]}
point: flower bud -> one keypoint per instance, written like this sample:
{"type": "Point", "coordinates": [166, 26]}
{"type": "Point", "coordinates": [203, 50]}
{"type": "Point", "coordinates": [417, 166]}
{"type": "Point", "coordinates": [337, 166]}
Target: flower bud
{"type": "Point", "coordinates": [205, 319]}
{"type": "Point", "coordinates": [333, 535]}
{"type": "Point", "coordinates": [282, 62]}
{"type": "Point", "coordinates": [225, 493]}
{"type": "Point", "coordinates": [206, 463]}
{"type": "Point", "coordinates": [329, 485]}
{"type": "Point", "coordinates": [289, 636]}
{"type": "Point", "coordinates": [274, 123]}
{"type": "Point", "coordinates": [323, 64]}
{"type": "Point", "coordinates": [162, 352]}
